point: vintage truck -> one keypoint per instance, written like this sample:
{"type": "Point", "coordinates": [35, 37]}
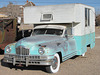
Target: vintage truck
{"type": "Point", "coordinates": [60, 32]}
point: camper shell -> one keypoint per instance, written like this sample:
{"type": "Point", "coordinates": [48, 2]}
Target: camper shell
{"type": "Point", "coordinates": [82, 16]}
{"type": "Point", "coordinates": [79, 17]}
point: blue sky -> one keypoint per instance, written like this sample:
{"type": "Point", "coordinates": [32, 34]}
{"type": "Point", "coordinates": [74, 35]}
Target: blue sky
{"type": "Point", "coordinates": [94, 3]}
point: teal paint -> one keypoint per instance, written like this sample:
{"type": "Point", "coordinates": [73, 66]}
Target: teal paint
{"type": "Point", "coordinates": [67, 49]}
{"type": "Point", "coordinates": [83, 41]}
{"type": "Point", "coordinates": [12, 46]}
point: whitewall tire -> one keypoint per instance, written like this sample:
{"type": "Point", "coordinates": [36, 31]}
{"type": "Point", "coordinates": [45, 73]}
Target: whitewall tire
{"type": "Point", "coordinates": [83, 54]}
{"type": "Point", "coordinates": [55, 65]}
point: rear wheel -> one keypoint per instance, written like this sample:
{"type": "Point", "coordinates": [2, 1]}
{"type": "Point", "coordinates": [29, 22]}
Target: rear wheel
{"type": "Point", "coordinates": [55, 64]}
{"type": "Point", "coordinates": [83, 54]}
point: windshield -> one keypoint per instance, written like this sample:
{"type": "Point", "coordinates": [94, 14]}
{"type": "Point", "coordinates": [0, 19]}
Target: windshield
{"type": "Point", "coordinates": [48, 31]}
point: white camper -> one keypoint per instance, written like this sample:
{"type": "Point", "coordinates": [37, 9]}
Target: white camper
{"type": "Point", "coordinates": [82, 16]}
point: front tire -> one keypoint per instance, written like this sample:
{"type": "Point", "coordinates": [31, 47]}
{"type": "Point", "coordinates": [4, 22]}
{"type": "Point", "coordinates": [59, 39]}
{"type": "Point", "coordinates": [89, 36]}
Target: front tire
{"type": "Point", "coordinates": [55, 64]}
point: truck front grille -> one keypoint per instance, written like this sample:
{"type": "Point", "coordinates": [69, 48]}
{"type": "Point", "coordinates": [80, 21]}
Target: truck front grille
{"type": "Point", "coordinates": [20, 50]}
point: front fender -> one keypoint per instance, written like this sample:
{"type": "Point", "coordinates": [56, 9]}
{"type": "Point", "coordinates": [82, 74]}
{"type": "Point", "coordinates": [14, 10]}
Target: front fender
{"type": "Point", "coordinates": [12, 46]}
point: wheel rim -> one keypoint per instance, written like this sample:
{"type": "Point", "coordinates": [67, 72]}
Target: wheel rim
{"type": "Point", "coordinates": [55, 63]}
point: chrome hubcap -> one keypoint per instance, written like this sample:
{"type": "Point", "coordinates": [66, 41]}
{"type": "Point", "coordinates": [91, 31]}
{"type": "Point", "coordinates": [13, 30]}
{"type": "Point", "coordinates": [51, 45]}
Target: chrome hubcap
{"type": "Point", "coordinates": [55, 63]}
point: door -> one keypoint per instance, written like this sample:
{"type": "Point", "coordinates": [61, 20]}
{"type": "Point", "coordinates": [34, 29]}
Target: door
{"type": "Point", "coordinates": [70, 43]}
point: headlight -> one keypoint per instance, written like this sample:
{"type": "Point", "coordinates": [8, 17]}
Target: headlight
{"type": "Point", "coordinates": [41, 50]}
{"type": "Point", "coordinates": [8, 49]}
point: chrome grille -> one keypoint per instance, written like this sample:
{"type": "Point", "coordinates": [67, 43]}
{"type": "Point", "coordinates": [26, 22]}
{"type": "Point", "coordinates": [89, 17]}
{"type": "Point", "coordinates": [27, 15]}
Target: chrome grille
{"type": "Point", "coordinates": [22, 50]}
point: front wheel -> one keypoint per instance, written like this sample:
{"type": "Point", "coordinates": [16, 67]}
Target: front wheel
{"type": "Point", "coordinates": [55, 64]}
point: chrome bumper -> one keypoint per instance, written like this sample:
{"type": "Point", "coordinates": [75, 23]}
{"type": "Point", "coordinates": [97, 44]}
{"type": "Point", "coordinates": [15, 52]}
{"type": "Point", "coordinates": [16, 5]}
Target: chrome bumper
{"type": "Point", "coordinates": [28, 60]}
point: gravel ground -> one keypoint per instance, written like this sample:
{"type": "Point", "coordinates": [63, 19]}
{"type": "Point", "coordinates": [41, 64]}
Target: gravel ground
{"type": "Point", "coordinates": [87, 65]}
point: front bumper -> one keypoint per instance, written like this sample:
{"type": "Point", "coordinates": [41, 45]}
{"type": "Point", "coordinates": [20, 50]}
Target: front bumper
{"type": "Point", "coordinates": [28, 60]}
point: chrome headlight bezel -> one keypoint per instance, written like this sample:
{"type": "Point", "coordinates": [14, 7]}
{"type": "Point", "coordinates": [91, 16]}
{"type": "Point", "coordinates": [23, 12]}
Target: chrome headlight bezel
{"type": "Point", "coordinates": [8, 49]}
{"type": "Point", "coordinates": [41, 50]}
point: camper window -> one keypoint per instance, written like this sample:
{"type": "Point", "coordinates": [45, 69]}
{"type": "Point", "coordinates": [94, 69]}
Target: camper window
{"type": "Point", "coordinates": [47, 17]}
{"type": "Point", "coordinates": [87, 17]}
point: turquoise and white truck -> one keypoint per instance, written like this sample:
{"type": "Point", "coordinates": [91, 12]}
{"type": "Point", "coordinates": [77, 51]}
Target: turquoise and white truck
{"type": "Point", "coordinates": [60, 32]}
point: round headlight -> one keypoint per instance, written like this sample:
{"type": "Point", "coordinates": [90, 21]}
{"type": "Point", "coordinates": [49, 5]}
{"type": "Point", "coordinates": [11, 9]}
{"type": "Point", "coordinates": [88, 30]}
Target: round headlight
{"type": "Point", "coordinates": [41, 50]}
{"type": "Point", "coordinates": [8, 49]}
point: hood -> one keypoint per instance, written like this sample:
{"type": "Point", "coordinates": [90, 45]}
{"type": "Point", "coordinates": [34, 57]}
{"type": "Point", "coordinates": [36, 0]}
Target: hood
{"type": "Point", "coordinates": [38, 39]}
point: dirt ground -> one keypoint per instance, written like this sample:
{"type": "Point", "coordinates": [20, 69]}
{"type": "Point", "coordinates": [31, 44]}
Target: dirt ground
{"type": "Point", "coordinates": [87, 65]}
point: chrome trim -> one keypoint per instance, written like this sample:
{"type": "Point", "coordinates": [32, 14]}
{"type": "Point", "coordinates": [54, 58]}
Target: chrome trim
{"type": "Point", "coordinates": [69, 56]}
{"type": "Point", "coordinates": [21, 50]}
{"type": "Point", "coordinates": [28, 60]}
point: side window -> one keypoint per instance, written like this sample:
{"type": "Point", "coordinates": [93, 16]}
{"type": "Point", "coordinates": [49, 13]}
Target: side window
{"type": "Point", "coordinates": [87, 17]}
{"type": "Point", "coordinates": [66, 33]}
{"type": "Point", "coordinates": [69, 31]}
